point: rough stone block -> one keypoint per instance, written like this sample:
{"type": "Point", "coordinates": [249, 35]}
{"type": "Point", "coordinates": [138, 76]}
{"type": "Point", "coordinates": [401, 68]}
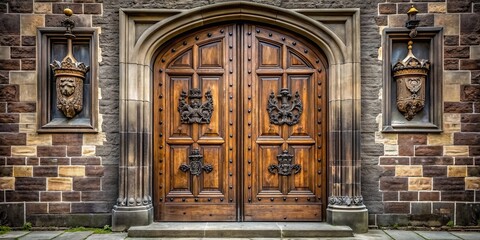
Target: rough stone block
{"type": "Point", "coordinates": [86, 161]}
{"type": "Point", "coordinates": [466, 138]}
{"type": "Point", "coordinates": [396, 207]}
{"type": "Point", "coordinates": [25, 151]}
{"type": "Point", "coordinates": [28, 64]}
{"type": "Point", "coordinates": [92, 207]}
{"type": "Point", "coordinates": [451, 64]}
{"type": "Point", "coordinates": [393, 184]}
{"type": "Point", "coordinates": [9, 93]}
{"type": "Point", "coordinates": [419, 183]}
{"type": "Point", "coordinates": [45, 171]}
{"type": "Point", "coordinates": [458, 107]}
{"type": "Point", "coordinates": [22, 52]}
{"type": "Point", "coordinates": [464, 196]}
{"type": "Point", "coordinates": [42, 8]}
{"type": "Point", "coordinates": [13, 64]}
{"type": "Point", "coordinates": [408, 171]}
{"type": "Point", "coordinates": [421, 208]}
{"type": "Point", "coordinates": [6, 171]}
{"type": "Point", "coordinates": [23, 78]}
{"type": "Point", "coordinates": [437, 7]}
{"type": "Point", "coordinates": [94, 139]}
{"type": "Point", "coordinates": [452, 40]}
{"type": "Point", "coordinates": [59, 208]}
{"type": "Point", "coordinates": [429, 196]}
{"type": "Point", "coordinates": [390, 196]}
{"type": "Point", "coordinates": [71, 196]}
{"type": "Point", "coordinates": [39, 139]}
{"type": "Point", "coordinates": [28, 93]}
{"type": "Point", "coordinates": [30, 23]}
{"type": "Point", "coordinates": [392, 219]}
{"type": "Point", "coordinates": [456, 150]}
{"type": "Point", "coordinates": [409, 196]}
{"type": "Point", "coordinates": [74, 151]}
{"type": "Point", "coordinates": [473, 171]}
{"type": "Point", "coordinates": [86, 184]}
{"type": "Point", "coordinates": [450, 23]}
{"type": "Point", "coordinates": [22, 171]}
{"type": "Point", "coordinates": [459, 6]}
{"type": "Point", "coordinates": [50, 196]}
{"type": "Point", "coordinates": [10, 24]}
{"type": "Point", "coordinates": [21, 107]}
{"type": "Point", "coordinates": [394, 160]}
{"type": "Point", "coordinates": [467, 214]}
{"type": "Point", "coordinates": [30, 184]}
{"type": "Point", "coordinates": [470, 64]}
{"type": "Point", "coordinates": [10, 40]}
{"type": "Point", "coordinates": [9, 139]}
{"type": "Point", "coordinates": [472, 183]}
{"type": "Point", "coordinates": [15, 161]}
{"type": "Point", "coordinates": [4, 52]}
{"type": "Point", "coordinates": [13, 214]}
{"type": "Point", "coordinates": [448, 183]}
{"type": "Point", "coordinates": [93, 8]}
{"type": "Point", "coordinates": [55, 161]}
{"type": "Point", "coordinates": [51, 151]}
{"type": "Point", "coordinates": [71, 171]}
{"type": "Point", "coordinates": [35, 208]}
{"type": "Point", "coordinates": [56, 20]}
{"type": "Point", "coordinates": [59, 184]}
{"type": "Point", "coordinates": [440, 139]}
{"type": "Point", "coordinates": [7, 183]}
{"type": "Point", "coordinates": [21, 196]}
{"type": "Point", "coordinates": [67, 139]}
{"type": "Point", "coordinates": [387, 8]}
{"type": "Point", "coordinates": [432, 161]}
{"type": "Point", "coordinates": [428, 150]}
{"type": "Point", "coordinates": [457, 171]}
{"type": "Point", "coordinates": [88, 150]}
{"type": "Point", "coordinates": [469, 39]}
{"type": "Point", "coordinates": [470, 93]}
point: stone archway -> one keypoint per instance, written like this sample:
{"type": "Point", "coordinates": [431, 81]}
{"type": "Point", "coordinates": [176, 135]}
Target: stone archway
{"type": "Point", "coordinates": [335, 31]}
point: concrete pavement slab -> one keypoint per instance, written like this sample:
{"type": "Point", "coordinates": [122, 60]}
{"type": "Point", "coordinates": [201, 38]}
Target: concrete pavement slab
{"type": "Point", "coordinates": [467, 235]}
{"type": "Point", "coordinates": [403, 235]}
{"type": "Point", "coordinates": [108, 236]}
{"type": "Point", "coordinates": [41, 235]}
{"type": "Point", "coordinates": [74, 235]}
{"type": "Point", "coordinates": [437, 235]}
{"type": "Point", "coordinates": [13, 235]}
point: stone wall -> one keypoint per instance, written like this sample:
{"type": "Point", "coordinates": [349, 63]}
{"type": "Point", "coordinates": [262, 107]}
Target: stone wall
{"type": "Point", "coordinates": [432, 179]}
{"type": "Point", "coordinates": [60, 179]}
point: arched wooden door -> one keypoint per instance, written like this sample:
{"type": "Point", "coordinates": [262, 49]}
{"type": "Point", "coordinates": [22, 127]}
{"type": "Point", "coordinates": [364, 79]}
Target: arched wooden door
{"type": "Point", "coordinates": [239, 123]}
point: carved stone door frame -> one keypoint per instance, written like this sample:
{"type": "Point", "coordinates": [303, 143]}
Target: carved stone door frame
{"type": "Point", "coordinates": [335, 31]}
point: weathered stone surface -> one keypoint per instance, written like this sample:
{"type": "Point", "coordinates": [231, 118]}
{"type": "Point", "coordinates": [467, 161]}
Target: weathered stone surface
{"type": "Point", "coordinates": [21, 107]}
{"type": "Point", "coordinates": [393, 219]}
{"type": "Point", "coordinates": [387, 8]}
{"type": "Point", "coordinates": [470, 64]}
{"type": "Point", "coordinates": [51, 151]}
{"type": "Point", "coordinates": [449, 183]}
{"type": "Point", "coordinates": [440, 139]}
{"type": "Point", "coordinates": [30, 23]}
{"type": "Point", "coordinates": [434, 171]}
{"type": "Point", "coordinates": [23, 52]}
{"type": "Point", "coordinates": [91, 207]}
{"type": "Point", "coordinates": [9, 40]}
{"type": "Point", "coordinates": [50, 196]}
{"type": "Point", "coordinates": [419, 183]}
{"type": "Point", "coordinates": [39, 139]}
{"type": "Point", "coordinates": [451, 64]}
{"type": "Point", "coordinates": [472, 183]}
{"type": "Point", "coordinates": [42, 8]}
{"type": "Point", "coordinates": [469, 39]}
{"type": "Point", "coordinates": [67, 139]}
{"type": "Point", "coordinates": [20, 196]}
{"type": "Point", "coordinates": [409, 196]}
{"type": "Point", "coordinates": [406, 143]}
{"type": "Point", "coordinates": [394, 160]}
{"type": "Point", "coordinates": [45, 171]}
{"type": "Point", "coordinates": [459, 6]}
{"type": "Point", "coordinates": [30, 184]}
{"type": "Point", "coordinates": [29, 64]}
{"type": "Point", "coordinates": [71, 171]}
{"type": "Point", "coordinates": [29, 41]}
{"type": "Point", "coordinates": [59, 184]}
{"type": "Point", "coordinates": [35, 208]}
{"type": "Point", "coordinates": [465, 195]}
{"type": "Point", "coordinates": [20, 6]}
{"type": "Point", "coordinates": [22, 171]}
{"type": "Point", "coordinates": [56, 20]}
{"type": "Point", "coordinates": [437, 7]}
{"type": "Point", "coordinates": [473, 171]}
{"type": "Point", "coordinates": [86, 184]}
{"type": "Point", "coordinates": [457, 52]}
{"type": "Point", "coordinates": [408, 171]}
{"type": "Point", "coordinates": [14, 213]}
{"type": "Point", "coordinates": [58, 8]}
{"type": "Point", "coordinates": [12, 139]}
{"type": "Point", "coordinates": [457, 171]}
{"type": "Point", "coordinates": [466, 138]}
{"type": "Point", "coordinates": [7, 183]}
{"type": "Point", "coordinates": [456, 150]}
{"type": "Point", "coordinates": [404, 7]}
{"type": "Point", "coordinates": [58, 208]}
{"type": "Point", "coordinates": [86, 161]}
{"type": "Point", "coordinates": [429, 196]}
{"type": "Point", "coordinates": [458, 107]}
{"type": "Point", "coordinates": [71, 196]}
{"type": "Point", "coordinates": [94, 8]}
{"type": "Point", "coordinates": [25, 151]}
{"type": "Point", "coordinates": [470, 93]}
{"type": "Point", "coordinates": [390, 196]}
{"type": "Point", "coordinates": [54, 161]}
{"type": "Point", "coordinates": [428, 150]}
{"type": "Point", "coordinates": [468, 214]}
{"type": "Point", "coordinates": [9, 93]}
{"type": "Point", "coordinates": [452, 40]}
{"type": "Point", "coordinates": [393, 184]}
{"type": "Point", "coordinates": [396, 207]}
{"type": "Point", "coordinates": [10, 24]}
{"type": "Point", "coordinates": [13, 64]}
{"type": "Point", "coordinates": [421, 208]}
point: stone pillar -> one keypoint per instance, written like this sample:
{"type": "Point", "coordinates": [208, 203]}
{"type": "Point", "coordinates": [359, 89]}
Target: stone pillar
{"type": "Point", "coordinates": [345, 203]}
{"type": "Point", "coordinates": [134, 204]}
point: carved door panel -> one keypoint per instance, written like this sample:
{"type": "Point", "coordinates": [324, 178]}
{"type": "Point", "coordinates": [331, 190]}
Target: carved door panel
{"type": "Point", "coordinates": [238, 127]}
{"type": "Point", "coordinates": [194, 138]}
{"type": "Point", "coordinates": [283, 125]}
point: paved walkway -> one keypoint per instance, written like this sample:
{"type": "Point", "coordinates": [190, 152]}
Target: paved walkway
{"type": "Point", "coordinates": [372, 234]}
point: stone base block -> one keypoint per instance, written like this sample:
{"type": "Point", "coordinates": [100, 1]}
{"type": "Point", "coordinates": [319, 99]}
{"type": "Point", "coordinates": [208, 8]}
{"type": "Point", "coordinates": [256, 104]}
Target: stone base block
{"type": "Point", "coordinates": [355, 217]}
{"type": "Point", "coordinates": [125, 217]}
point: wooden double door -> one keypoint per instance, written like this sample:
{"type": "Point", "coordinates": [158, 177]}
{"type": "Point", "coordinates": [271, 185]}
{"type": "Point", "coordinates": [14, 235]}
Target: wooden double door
{"type": "Point", "coordinates": [239, 123]}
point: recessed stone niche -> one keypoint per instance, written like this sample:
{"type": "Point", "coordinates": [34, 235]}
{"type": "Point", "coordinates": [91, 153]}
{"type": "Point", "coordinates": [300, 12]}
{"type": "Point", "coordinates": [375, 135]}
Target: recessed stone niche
{"type": "Point", "coordinates": [52, 45]}
{"type": "Point", "coordinates": [427, 45]}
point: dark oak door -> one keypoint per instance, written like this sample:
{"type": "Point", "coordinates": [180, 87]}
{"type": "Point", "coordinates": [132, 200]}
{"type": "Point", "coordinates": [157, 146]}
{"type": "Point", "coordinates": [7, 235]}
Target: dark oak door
{"type": "Point", "coordinates": [238, 127]}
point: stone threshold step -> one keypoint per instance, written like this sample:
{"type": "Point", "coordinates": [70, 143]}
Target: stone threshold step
{"type": "Point", "coordinates": [239, 230]}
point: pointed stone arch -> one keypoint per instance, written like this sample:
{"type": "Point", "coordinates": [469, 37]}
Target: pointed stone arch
{"type": "Point", "coordinates": [335, 31]}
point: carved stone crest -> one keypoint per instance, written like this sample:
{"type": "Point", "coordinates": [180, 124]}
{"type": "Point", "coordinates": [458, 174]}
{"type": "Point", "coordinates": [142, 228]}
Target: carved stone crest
{"type": "Point", "coordinates": [285, 166]}
{"type": "Point", "coordinates": [410, 75]}
{"type": "Point", "coordinates": [195, 165]}
{"type": "Point", "coordinates": [288, 111]}
{"type": "Point", "coordinates": [345, 200]}
{"type": "Point", "coordinates": [196, 111]}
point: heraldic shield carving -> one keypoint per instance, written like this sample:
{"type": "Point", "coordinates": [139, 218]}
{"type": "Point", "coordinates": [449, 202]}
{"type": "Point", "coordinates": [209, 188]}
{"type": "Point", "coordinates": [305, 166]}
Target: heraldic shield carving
{"type": "Point", "coordinates": [195, 166]}
{"type": "Point", "coordinates": [285, 166]}
{"type": "Point", "coordinates": [196, 111]}
{"type": "Point", "coordinates": [410, 75]}
{"type": "Point", "coordinates": [69, 76]}
{"type": "Point", "coordinates": [287, 112]}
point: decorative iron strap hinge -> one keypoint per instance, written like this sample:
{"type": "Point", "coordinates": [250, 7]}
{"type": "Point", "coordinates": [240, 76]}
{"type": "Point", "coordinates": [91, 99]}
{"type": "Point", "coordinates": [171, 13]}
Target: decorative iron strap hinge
{"type": "Point", "coordinates": [285, 166]}
{"type": "Point", "coordinates": [196, 166]}
{"type": "Point", "coordinates": [288, 112]}
{"type": "Point", "coordinates": [195, 112]}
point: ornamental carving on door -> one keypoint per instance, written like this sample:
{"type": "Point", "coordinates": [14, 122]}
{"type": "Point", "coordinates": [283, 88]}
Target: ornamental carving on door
{"type": "Point", "coordinates": [195, 166]}
{"type": "Point", "coordinates": [195, 112]}
{"type": "Point", "coordinates": [288, 112]}
{"type": "Point", "coordinates": [285, 166]}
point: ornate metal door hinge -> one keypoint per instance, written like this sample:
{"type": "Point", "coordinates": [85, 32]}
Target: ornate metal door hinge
{"type": "Point", "coordinates": [196, 164]}
{"type": "Point", "coordinates": [288, 112]}
{"type": "Point", "coordinates": [195, 112]}
{"type": "Point", "coordinates": [285, 166]}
